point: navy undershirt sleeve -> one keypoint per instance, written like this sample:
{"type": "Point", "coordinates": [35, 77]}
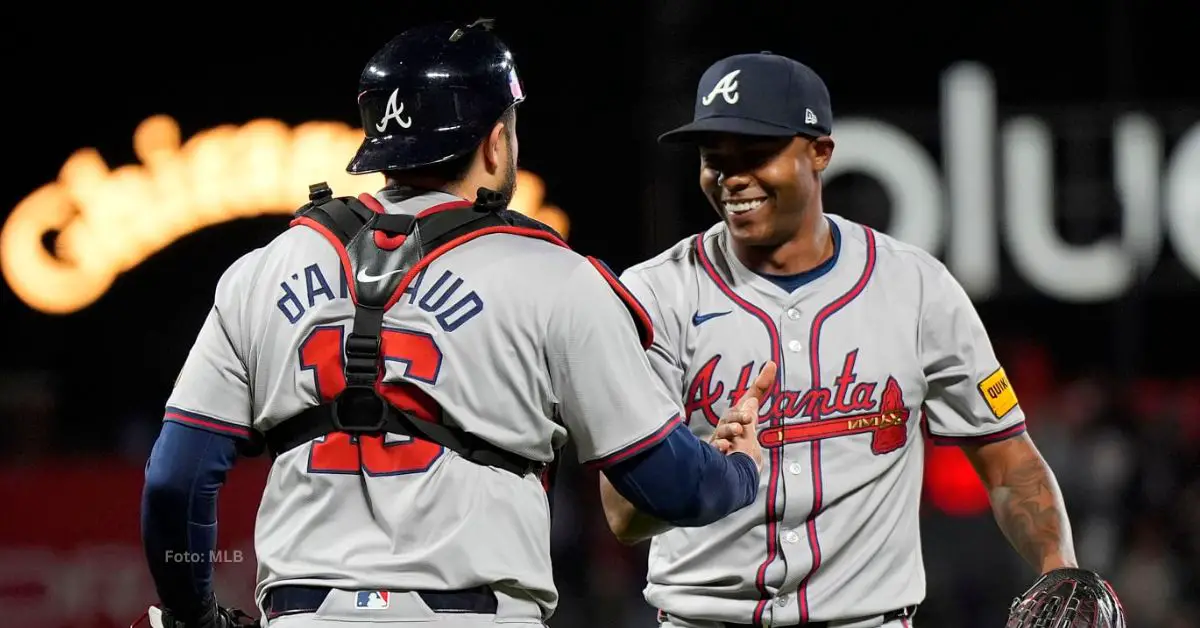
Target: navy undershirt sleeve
{"type": "Point", "coordinates": [685, 481]}
{"type": "Point", "coordinates": [179, 513]}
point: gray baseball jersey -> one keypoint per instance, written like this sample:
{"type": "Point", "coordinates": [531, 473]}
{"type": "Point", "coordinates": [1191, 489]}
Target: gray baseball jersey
{"type": "Point", "coordinates": [517, 340]}
{"type": "Point", "coordinates": [881, 343]}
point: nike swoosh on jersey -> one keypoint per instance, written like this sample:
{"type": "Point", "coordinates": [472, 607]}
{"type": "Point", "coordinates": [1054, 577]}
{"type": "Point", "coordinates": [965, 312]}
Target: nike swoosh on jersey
{"type": "Point", "coordinates": [363, 275]}
{"type": "Point", "coordinates": [698, 318]}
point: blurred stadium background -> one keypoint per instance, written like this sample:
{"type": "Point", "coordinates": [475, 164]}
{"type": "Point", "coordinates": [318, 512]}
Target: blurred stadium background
{"type": "Point", "coordinates": [1050, 155]}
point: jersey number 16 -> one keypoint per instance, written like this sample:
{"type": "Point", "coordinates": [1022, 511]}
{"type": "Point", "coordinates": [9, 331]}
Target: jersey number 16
{"type": "Point", "coordinates": [323, 353]}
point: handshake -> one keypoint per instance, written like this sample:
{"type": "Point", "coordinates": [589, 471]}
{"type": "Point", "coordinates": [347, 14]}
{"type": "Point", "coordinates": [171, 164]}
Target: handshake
{"type": "Point", "coordinates": [738, 428]}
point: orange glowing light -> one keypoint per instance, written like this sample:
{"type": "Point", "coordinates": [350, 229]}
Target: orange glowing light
{"type": "Point", "coordinates": [109, 221]}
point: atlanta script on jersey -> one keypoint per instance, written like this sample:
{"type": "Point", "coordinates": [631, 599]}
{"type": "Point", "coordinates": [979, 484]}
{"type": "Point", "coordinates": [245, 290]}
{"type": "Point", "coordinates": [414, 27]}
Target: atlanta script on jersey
{"type": "Point", "coordinates": [882, 345]}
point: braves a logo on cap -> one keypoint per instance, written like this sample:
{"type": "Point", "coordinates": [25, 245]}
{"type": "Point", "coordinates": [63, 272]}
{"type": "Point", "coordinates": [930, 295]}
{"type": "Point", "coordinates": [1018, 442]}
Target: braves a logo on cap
{"type": "Point", "coordinates": [393, 111]}
{"type": "Point", "coordinates": [371, 599]}
{"type": "Point", "coordinates": [726, 88]}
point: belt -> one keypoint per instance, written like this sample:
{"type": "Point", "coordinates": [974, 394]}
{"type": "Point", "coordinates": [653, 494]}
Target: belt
{"type": "Point", "coordinates": [900, 613]}
{"type": "Point", "coordinates": [289, 599]}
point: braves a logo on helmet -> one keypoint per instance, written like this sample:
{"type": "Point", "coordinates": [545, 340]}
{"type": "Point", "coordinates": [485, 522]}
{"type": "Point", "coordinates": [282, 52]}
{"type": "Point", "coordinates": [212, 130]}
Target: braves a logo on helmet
{"type": "Point", "coordinates": [393, 111]}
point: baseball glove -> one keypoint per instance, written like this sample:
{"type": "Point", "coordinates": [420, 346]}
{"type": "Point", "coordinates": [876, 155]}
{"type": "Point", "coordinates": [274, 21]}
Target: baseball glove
{"type": "Point", "coordinates": [1067, 598]}
{"type": "Point", "coordinates": [216, 617]}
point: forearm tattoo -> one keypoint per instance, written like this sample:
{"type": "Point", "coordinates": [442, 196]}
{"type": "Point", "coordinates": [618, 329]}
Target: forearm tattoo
{"type": "Point", "coordinates": [1030, 512]}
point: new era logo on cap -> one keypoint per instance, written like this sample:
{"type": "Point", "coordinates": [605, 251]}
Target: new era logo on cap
{"type": "Point", "coordinates": [760, 94]}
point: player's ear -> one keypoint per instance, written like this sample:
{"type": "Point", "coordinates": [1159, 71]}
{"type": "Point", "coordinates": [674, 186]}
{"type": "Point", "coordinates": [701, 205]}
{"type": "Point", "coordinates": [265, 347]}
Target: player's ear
{"type": "Point", "coordinates": [494, 149]}
{"type": "Point", "coordinates": [820, 151]}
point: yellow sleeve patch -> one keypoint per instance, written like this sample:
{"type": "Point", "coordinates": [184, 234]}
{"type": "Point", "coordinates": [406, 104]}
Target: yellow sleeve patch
{"type": "Point", "coordinates": [998, 393]}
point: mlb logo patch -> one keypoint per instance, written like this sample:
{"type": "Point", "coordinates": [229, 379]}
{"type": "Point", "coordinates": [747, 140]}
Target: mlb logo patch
{"type": "Point", "coordinates": [371, 599]}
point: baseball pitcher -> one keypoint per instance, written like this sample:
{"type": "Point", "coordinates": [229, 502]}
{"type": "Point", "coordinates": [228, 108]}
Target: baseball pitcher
{"type": "Point", "coordinates": [412, 361]}
{"type": "Point", "coordinates": [876, 343]}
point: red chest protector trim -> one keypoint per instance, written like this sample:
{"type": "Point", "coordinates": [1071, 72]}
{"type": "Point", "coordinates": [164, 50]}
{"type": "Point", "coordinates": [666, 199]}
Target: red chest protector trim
{"type": "Point", "coordinates": [381, 255]}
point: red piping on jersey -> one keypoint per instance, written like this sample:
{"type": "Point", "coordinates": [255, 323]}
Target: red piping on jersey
{"type": "Point", "coordinates": [636, 447]}
{"type": "Point", "coordinates": [392, 243]}
{"type": "Point", "coordinates": [463, 239]}
{"type": "Point", "coordinates": [371, 202]}
{"type": "Point", "coordinates": [441, 207]}
{"type": "Point", "coordinates": [814, 356]}
{"type": "Point", "coordinates": [337, 246]}
{"type": "Point", "coordinates": [207, 423]}
{"type": "Point", "coordinates": [635, 307]}
{"type": "Point", "coordinates": [1005, 434]}
{"type": "Point", "coordinates": [389, 243]}
{"type": "Point", "coordinates": [345, 257]}
{"type": "Point", "coordinates": [374, 205]}
{"type": "Point", "coordinates": [774, 418]}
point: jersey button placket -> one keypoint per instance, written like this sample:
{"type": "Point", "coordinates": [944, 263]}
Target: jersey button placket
{"type": "Point", "coordinates": [792, 545]}
{"type": "Point", "coordinates": [795, 476]}
{"type": "Point", "coordinates": [790, 327]}
{"type": "Point", "coordinates": [778, 604]}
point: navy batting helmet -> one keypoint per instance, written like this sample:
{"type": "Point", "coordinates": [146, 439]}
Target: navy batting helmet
{"type": "Point", "coordinates": [432, 94]}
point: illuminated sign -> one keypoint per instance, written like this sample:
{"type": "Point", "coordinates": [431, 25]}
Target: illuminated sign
{"type": "Point", "coordinates": [1000, 182]}
{"type": "Point", "coordinates": [108, 221]}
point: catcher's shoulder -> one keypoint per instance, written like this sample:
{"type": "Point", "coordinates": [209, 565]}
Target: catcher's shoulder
{"type": "Point", "coordinates": [675, 261]}
{"type": "Point", "coordinates": [668, 279]}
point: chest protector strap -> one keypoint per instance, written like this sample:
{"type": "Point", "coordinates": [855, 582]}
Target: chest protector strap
{"type": "Point", "coordinates": [381, 255]}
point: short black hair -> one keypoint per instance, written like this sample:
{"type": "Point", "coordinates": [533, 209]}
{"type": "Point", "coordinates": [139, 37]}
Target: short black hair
{"type": "Point", "coordinates": [453, 169]}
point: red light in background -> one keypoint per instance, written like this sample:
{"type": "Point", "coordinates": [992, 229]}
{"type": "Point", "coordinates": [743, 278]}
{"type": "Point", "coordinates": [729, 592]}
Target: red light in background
{"type": "Point", "coordinates": [951, 484]}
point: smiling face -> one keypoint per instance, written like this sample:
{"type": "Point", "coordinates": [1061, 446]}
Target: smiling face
{"type": "Point", "coordinates": [762, 186]}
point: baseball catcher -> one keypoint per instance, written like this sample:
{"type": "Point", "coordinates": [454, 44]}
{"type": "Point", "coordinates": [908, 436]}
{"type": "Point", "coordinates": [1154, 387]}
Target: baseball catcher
{"type": "Point", "coordinates": [413, 361]}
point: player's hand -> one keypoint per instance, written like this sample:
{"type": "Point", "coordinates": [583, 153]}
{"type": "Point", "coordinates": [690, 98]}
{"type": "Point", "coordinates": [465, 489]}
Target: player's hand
{"type": "Point", "coordinates": [215, 617]}
{"type": "Point", "coordinates": [738, 427]}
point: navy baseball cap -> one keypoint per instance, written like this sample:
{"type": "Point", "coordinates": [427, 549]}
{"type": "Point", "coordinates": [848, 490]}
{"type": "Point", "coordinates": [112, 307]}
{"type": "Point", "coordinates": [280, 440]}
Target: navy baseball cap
{"type": "Point", "coordinates": [762, 94]}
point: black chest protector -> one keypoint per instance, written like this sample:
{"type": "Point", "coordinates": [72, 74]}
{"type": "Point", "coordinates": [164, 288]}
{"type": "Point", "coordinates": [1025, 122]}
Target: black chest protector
{"type": "Point", "coordinates": [381, 254]}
